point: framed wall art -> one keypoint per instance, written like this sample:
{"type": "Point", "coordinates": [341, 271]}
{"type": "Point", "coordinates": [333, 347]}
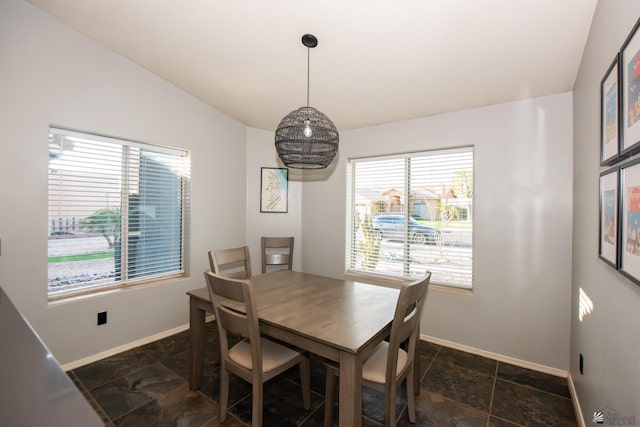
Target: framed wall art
{"type": "Point", "coordinates": [274, 183]}
{"type": "Point", "coordinates": [609, 201]}
{"type": "Point", "coordinates": [629, 64]}
{"type": "Point", "coordinates": [629, 241]}
{"type": "Point", "coordinates": [609, 123]}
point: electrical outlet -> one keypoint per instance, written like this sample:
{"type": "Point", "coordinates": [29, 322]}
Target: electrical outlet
{"type": "Point", "coordinates": [102, 318]}
{"type": "Point", "coordinates": [581, 364]}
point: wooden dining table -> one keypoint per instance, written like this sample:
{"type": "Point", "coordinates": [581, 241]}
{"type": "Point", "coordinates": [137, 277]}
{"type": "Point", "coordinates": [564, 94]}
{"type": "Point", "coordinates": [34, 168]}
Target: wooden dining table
{"type": "Point", "coordinates": [340, 320]}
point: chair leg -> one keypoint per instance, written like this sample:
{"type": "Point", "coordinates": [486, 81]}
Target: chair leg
{"type": "Point", "coordinates": [256, 417]}
{"type": "Point", "coordinates": [305, 382]}
{"type": "Point", "coordinates": [224, 393]}
{"type": "Point", "coordinates": [329, 391]}
{"type": "Point", "coordinates": [390, 406]}
{"type": "Point", "coordinates": [411, 398]}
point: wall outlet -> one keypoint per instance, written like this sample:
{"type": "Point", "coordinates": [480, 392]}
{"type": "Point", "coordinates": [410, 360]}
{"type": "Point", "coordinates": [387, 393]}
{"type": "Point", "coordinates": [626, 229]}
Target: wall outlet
{"type": "Point", "coordinates": [102, 318]}
{"type": "Point", "coordinates": [581, 364]}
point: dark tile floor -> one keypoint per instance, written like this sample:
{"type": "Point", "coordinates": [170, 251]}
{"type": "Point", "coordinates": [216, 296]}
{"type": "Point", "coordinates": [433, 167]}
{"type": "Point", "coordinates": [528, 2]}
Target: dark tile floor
{"type": "Point", "coordinates": [147, 386]}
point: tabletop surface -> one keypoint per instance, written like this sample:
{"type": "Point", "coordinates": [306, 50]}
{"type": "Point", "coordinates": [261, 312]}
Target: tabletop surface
{"type": "Point", "coordinates": [341, 313]}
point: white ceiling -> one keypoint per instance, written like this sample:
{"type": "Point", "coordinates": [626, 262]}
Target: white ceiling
{"type": "Point", "coordinates": [377, 61]}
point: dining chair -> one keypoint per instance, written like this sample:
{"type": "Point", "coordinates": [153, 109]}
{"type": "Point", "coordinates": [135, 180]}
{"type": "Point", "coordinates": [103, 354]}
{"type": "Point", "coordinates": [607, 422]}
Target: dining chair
{"type": "Point", "coordinates": [390, 364]}
{"type": "Point", "coordinates": [234, 263]}
{"type": "Point", "coordinates": [277, 251]}
{"type": "Point", "coordinates": [254, 359]}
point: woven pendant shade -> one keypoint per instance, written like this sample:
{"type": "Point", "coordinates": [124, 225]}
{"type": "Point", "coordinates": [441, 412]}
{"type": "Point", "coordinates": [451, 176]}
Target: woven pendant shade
{"type": "Point", "coordinates": [306, 138]}
{"type": "Point", "coordinates": [298, 151]}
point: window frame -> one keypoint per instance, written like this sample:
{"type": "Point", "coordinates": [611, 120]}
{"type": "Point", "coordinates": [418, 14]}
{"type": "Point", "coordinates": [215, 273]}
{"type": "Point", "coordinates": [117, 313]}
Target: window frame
{"type": "Point", "coordinates": [184, 181]}
{"type": "Point", "coordinates": [351, 210]}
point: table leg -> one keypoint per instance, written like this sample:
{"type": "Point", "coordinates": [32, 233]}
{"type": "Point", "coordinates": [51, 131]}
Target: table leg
{"type": "Point", "coordinates": [350, 390]}
{"type": "Point", "coordinates": [197, 338]}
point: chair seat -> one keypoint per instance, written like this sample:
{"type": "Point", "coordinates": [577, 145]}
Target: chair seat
{"type": "Point", "coordinates": [374, 368]}
{"type": "Point", "coordinates": [274, 355]}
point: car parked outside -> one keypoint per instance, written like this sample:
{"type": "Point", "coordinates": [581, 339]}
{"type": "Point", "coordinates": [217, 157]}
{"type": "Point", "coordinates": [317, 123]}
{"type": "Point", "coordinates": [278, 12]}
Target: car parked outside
{"type": "Point", "coordinates": [391, 226]}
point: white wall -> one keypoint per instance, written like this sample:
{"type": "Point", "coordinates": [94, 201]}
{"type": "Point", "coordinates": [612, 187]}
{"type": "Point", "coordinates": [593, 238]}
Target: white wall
{"type": "Point", "coordinates": [261, 153]}
{"type": "Point", "coordinates": [522, 240]}
{"type": "Point", "coordinates": [608, 337]}
{"type": "Point", "coordinates": [50, 74]}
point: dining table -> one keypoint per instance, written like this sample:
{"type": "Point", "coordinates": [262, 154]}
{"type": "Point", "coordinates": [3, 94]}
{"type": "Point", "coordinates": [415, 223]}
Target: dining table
{"type": "Point", "coordinates": [340, 320]}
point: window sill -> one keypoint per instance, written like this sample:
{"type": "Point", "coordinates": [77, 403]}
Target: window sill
{"type": "Point", "coordinates": [111, 289]}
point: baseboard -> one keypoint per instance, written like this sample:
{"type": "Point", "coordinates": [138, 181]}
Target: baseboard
{"type": "Point", "coordinates": [499, 357]}
{"type": "Point", "coordinates": [137, 343]}
{"type": "Point", "coordinates": [576, 402]}
{"type": "Point", "coordinates": [142, 341]}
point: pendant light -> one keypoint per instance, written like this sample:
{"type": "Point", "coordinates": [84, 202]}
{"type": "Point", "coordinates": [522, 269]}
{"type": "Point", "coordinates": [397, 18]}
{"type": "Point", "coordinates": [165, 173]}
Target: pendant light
{"type": "Point", "coordinates": [306, 138]}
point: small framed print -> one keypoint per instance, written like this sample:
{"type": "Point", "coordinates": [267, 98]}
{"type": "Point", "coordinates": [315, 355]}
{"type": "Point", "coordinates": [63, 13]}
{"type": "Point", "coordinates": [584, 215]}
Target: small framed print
{"type": "Point", "coordinates": [629, 241]}
{"type": "Point", "coordinates": [630, 93]}
{"type": "Point", "coordinates": [609, 123]}
{"type": "Point", "coordinates": [274, 183]}
{"type": "Point", "coordinates": [609, 200]}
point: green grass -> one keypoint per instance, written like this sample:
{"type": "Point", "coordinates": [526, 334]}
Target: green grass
{"type": "Point", "coordinates": [81, 257]}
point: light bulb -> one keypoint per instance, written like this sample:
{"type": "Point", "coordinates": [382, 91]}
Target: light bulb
{"type": "Point", "coordinates": [307, 129]}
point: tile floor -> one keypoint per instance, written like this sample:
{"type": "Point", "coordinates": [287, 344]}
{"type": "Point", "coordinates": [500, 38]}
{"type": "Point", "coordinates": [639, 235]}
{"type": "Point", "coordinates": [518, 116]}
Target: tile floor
{"type": "Point", "coordinates": [147, 386]}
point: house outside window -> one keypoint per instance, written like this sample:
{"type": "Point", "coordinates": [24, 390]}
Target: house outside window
{"type": "Point", "coordinates": [116, 212]}
{"type": "Point", "coordinates": [412, 213]}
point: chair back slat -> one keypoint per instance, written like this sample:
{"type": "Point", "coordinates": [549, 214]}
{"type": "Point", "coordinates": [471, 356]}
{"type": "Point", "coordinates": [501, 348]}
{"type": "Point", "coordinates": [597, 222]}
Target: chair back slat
{"type": "Point", "coordinates": [234, 263]}
{"type": "Point", "coordinates": [232, 321]}
{"type": "Point", "coordinates": [276, 259]}
{"type": "Point", "coordinates": [277, 251]}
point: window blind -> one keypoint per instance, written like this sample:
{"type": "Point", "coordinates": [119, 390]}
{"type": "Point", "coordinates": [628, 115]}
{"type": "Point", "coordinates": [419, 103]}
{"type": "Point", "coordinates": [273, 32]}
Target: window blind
{"type": "Point", "coordinates": [410, 213]}
{"type": "Point", "coordinates": [116, 211]}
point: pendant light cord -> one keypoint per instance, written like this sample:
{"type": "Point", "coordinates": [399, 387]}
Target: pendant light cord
{"type": "Point", "coordinates": [308, 62]}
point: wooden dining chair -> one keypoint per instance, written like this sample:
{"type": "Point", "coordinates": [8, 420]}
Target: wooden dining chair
{"type": "Point", "coordinates": [277, 251]}
{"type": "Point", "coordinates": [390, 364]}
{"type": "Point", "coordinates": [254, 359]}
{"type": "Point", "coordinates": [234, 263]}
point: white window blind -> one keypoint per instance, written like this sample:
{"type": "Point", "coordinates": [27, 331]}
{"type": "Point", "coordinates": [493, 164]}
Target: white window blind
{"type": "Point", "coordinates": [412, 213]}
{"type": "Point", "coordinates": [116, 212]}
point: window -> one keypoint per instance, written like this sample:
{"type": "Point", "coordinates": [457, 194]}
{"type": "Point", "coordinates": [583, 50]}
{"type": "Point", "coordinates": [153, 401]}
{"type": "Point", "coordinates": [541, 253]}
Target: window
{"type": "Point", "coordinates": [435, 188]}
{"type": "Point", "coordinates": [116, 212]}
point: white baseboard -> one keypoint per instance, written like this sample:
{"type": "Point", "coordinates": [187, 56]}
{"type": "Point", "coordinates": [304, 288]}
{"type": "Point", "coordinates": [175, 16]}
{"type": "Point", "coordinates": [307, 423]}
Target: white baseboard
{"type": "Point", "coordinates": [576, 402]}
{"type": "Point", "coordinates": [499, 357]}
{"type": "Point", "coordinates": [137, 343]}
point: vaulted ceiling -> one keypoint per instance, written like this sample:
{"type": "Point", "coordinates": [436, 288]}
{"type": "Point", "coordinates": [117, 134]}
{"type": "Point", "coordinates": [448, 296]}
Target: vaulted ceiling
{"type": "Point", "coordinates": [377, 61]}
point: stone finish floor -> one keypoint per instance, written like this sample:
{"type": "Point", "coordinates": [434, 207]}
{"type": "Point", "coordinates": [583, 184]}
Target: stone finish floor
{"type": "Point", "coordinates": [147, 386]}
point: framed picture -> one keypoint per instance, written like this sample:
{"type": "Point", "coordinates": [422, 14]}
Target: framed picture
{"type": "Point", "coordinates": [629, 241]}
{"type": "Point", "coordinates": [609, 123]}
{"type": "Point", "coordinates": [609, 201]}
{"type": "Point", "coordinates": [630, 93]}
{"type": "Point", "coordinates": [274, 186]}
